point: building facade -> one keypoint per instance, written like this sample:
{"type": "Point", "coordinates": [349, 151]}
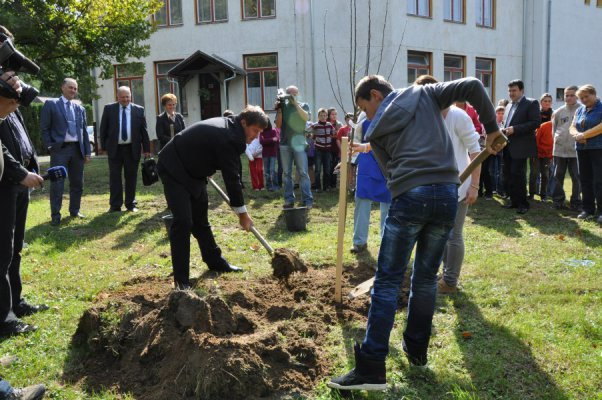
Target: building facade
{"type": "Point", "coordinates": [219, 54]}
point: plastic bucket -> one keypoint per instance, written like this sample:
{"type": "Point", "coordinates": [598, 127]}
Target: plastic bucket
{"type": "Point", "coordinates": [295, 218]}
{"type": "Point", "coordinates": [167, 220]}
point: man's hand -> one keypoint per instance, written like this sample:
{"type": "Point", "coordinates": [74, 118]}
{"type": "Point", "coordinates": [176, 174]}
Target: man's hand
{"type": "Point", "coordinates": [360, 147]}
{"type": "Point", "coordinates": [509, 131]}
{"type": "Point", "coordinates": [12, 80]}
{"type": "Point", "coordinates": [489, 142]}
{"type": "Point", "coordinates": [245, 221]}
{"type": "Point", "coordinates": [32, 180]}
{"type": "Point", "coordinates": [87, 159]}
{"type": "Point", "coordinates": [471, 195]}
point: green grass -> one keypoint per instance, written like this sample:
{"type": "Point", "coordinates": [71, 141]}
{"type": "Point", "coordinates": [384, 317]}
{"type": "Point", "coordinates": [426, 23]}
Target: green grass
{"type": "Point", "coordinates": [534, 313]}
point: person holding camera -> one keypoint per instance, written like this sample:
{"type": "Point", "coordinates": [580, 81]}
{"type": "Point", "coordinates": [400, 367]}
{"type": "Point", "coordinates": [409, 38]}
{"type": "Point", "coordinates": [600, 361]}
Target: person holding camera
{"type": "Point", "coordinates": [63, 125]}
{"type": "Point", "coordinates": [291, 117]}
{"type": "Point", "coordinates": [20, 166]}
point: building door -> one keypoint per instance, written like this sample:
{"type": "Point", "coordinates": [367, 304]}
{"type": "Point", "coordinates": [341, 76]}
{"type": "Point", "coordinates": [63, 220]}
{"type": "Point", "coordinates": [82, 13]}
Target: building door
{"type": "Point", "coordinates": [209, 92]}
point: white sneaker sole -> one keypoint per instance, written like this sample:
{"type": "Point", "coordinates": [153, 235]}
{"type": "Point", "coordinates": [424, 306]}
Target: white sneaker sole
{"type": "Point", "coordinates": [363, 386]}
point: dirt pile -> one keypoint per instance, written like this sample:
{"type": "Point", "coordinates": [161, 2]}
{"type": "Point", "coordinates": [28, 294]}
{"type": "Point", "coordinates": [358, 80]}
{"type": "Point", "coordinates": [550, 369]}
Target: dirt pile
{"type": "Point", "coordinates": [285, 263]}
{"type": "Point", "coordinates": [227, 339]}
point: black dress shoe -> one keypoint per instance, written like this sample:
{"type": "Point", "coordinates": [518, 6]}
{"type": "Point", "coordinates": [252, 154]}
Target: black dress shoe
{"type": "Point", "coordinates": [509, 206]}
{"type": "Point", "coordinates": [16, 327]}
{"type": "Point", "coordinates": [115, 209]}
{"type": "Point", "coordinates": [55, 222]}
{"type": "Point", "coordinates": [78, 215]}
{"type": "Point", "coordinates": [24, 308]}
{"type": "Point", "coordinates": [226, 268]}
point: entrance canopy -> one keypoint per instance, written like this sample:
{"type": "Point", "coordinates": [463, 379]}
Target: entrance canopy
{"type": "Point", "coordinates": [203, 63]}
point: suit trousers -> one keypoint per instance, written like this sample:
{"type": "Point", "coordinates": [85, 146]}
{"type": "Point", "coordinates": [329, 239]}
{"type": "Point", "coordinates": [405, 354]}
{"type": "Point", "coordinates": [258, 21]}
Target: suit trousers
{"type": "Point", "coordinates": [189, 216]}
{"type": "Point", "coordinates": [70, 156]}
{"type": "Point", "coordinates": [14, 201]}
{"type": "Point", "coordinates": [515, 173]}
{"type": "Point", "coordinates": [123, 161]}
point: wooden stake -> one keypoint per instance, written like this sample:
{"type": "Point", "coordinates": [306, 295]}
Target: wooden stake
{"type": "Point", "coordinates": [342, 217]}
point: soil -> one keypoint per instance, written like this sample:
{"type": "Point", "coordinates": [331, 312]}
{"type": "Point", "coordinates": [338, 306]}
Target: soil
{"type": "Point", "coordinates": [229, 338]}
{"type": "Point", "coordinates": [285, 263]}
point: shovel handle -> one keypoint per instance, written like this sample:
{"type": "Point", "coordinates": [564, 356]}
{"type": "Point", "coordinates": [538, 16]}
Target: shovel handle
{"type": "Point", "coordinates": [253, 229]}
{"type": "Point", "coordinates": [482, 156]}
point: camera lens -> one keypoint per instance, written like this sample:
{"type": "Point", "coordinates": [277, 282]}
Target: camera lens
{"type": "Point", "coordinates": [28, 94]}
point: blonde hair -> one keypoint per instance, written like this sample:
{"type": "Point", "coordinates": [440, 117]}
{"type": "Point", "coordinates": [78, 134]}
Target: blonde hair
{"type": "Point", "coordinates": [166, 98]}
{"type": "Point", "coordinates": [587, 89]}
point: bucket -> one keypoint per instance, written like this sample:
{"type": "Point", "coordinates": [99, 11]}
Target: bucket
{"type": "Point", "coordinates": [296, 218]}
{"type": "Point", "coordinates": [167, 220]}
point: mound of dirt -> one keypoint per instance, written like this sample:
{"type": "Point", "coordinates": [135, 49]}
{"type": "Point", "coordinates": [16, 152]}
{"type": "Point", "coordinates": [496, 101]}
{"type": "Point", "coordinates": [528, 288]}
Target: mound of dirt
{"type": "Point", "coordinates": [285, 263]}
{"type": "Point", "coordinates": [227, 339]}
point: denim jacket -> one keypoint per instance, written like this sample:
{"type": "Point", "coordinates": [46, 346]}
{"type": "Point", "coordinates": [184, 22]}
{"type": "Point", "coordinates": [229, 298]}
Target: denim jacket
{"type": "Point", "coordinates": [585, 120]}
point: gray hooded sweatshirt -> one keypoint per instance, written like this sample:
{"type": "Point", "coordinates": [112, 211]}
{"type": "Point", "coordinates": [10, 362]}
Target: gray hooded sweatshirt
{"type": "Point", "coordinates": [408, 134]}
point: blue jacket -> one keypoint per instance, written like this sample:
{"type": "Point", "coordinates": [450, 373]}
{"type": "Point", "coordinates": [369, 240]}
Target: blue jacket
{"type": "Point", "coordinates": [53, 124]}
{"type": "Point", "coordinates": [585, 120]}
{"type": "Point", "coordinates": [371, 183]}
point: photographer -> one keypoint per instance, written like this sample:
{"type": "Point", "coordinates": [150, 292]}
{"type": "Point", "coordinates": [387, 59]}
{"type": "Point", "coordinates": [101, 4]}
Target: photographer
{"type": "Point", "coordinates": [20, 166]}
{"type": "Point", "coordinates": [291, 117]}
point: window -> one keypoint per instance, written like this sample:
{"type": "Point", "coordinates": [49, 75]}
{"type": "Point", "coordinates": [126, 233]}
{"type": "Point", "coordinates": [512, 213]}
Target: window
{"type": "Point", "coordinates": [211, 11]}
{"type": "Point", "coordinates": [262, 79]}
{"type": "Point", "coordinates": [453, 67]}
{"type": "Point", "coordinates": [453, 10]}
{"type": "Point", "coordinates": [559, 94]}
{"type": "Point", "coordinates": [419, 63]}
{"type": "Point", "coordinates": [485, 72]}
{"type": "Point", "coordinates": [253, 9]}
{"type": "Point", "coordinates": [485, 13]}
{"type": "Point", "coordinates": [165, 84]}
{"type": "Point", "coordinates": [420, 8]}
{"type": "Point", "coordinates": [132, 76]}
{"type": "Point", "coordinates": [169, 14]}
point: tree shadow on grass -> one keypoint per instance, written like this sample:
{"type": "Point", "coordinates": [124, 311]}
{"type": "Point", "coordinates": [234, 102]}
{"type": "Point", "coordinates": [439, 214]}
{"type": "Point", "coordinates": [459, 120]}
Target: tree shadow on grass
{"type": "Point", "coordinates": [500, 364]}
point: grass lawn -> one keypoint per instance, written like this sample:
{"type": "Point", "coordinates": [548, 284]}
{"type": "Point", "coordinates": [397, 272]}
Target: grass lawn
{"type": "Point", "coordinates": [529, 302]}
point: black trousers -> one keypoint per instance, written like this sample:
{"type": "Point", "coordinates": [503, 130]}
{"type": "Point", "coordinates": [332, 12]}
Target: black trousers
{"type": "Point", "coordinates": [486, 184]}
{"type": "Point", "coordinates": [590, 175]}
{"type": "Point", "coordinates": [189, 216]}
{"type": "Point", "coordinates": [14, 201]}
{"type": "Point", "coordinates": [515, 173]}
{"type": "Point", "coordinates": [123, 161]}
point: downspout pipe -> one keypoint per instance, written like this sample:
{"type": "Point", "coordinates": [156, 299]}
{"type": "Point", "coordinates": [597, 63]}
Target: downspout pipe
{"type": "Point", "coordinates": [548, 41]}
{"type": "Point", "coordinates": [226, 94]}
{"type": "Point", "coordinates": [313, 58]}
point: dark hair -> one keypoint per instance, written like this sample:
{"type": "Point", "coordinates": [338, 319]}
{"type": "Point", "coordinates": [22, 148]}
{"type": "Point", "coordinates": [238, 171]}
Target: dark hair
{"type": "Point", "coordinates": [269, 127]}
{"type": "Point", "coordinates": [517, 82]}
{"type": "Point", "coordinates": [425, 80]}
{"type": "Point", "coordinates": [227, 113]}
{"type": "Point", "coordinates": [372, 82]}
{"type": "Point", "coordinates": [330, 110]}
{"type": "Point", "coordinates": [254, 115]}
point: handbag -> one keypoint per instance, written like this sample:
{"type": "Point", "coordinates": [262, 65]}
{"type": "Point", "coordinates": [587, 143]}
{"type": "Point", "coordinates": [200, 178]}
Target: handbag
{"type": "Point", "coordinates": [149, 171]}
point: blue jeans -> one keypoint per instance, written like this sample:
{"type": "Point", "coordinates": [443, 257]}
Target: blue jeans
{"type": "Point", "coordinates": [422, 216]}
{"type": "Point", "coordinates": [288, 154]}
{"type": "Point", "coordinates": [361, 219]}
{"type": "Point", "coordinates": [269, 172]}
{"type": "Point", "coordinates": [5, 389]}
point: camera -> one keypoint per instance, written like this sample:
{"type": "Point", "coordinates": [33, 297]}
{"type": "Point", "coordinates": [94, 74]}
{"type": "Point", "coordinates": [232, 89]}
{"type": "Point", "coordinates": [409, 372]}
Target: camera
{"type": "Point", "coordinates": [12, 59]}
{"type": "Point", "coordinates": [282, 97]}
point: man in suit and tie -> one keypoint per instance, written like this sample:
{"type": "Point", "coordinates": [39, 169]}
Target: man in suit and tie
{"type": "Point", "coordinates": [63, 126]}
{"type": "Point", "coordinates": [521, 119]}
{"type": "Point", "coordinates": [124, 136]}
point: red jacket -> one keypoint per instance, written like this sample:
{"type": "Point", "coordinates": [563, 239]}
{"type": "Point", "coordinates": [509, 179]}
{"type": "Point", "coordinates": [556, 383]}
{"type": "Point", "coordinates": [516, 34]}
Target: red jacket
{"type": "Point", "coordinates": [545, 140]}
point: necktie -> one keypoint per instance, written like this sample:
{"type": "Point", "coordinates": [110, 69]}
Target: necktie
{"type": "Point", "coordinates": [124, 125]}
{"type": "Point", "coordinates": [511, 113]}
{"type": "Point", "coordinates": [70, 120]}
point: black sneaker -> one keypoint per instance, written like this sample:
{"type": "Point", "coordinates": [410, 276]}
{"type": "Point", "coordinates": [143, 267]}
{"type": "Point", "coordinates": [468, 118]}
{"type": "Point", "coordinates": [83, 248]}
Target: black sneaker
{"type": "Point", "coordinates": [24, 309]}
{"type": "Point", "coordinates": [16, 327]}
{"type": "Point", "coordinates": [414, 359]}
{"type": "Point", "coordinates": [368, 374]}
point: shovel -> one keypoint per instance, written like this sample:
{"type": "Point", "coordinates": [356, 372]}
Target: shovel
{"type": "Point", "coordinates": [284, 261]}
{"type": "Point", "coordinates": [365, 286]}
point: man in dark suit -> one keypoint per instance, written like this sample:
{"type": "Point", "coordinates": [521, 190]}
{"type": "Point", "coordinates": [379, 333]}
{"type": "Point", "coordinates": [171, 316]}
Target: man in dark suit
{"type": "Point", "coordinates": [521, 119]}
{"type": "Point", "coordinates": [63, 126]}
{"type": "Point", "coordinates": [169, 122]}
{"type": "Point", "coordinates": [124, 136]}
{"type": "Point", "coordinates": [184, 165]}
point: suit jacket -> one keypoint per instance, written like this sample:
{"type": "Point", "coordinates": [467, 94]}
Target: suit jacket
{"type": "Point", "coordinates": [162, 127]}
{"type": "Point", "coordinates": [525, 120]}
{"type": "Point", "coordinates": [109, 130]}
{"type": "Point", "coordinates": [14, 171]}
{"type": "Point", "coordinates": [53, 124]}
{"type": "Point", "coordinates": [203, 148]}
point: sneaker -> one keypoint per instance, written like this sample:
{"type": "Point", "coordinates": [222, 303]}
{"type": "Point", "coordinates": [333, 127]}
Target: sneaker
{"type": "Point", "coordinates": [444, 288]}
{"type": "Point", "coordinates": [24, 309]}
{"type": "Point", "coordinates": [33, 392]}
{"type": "Point", "coordinates": [584, 215]}
{"type": "Point", "coordinates": [368, 374]}
{"type": "Point", "coordinates": [358, 248]}
{"type": "Point", "coordinates": [415, 360]}
{"type": "Point", "coordinates": [16, 327]}
{"type": "Point", "coordinates": [488, 197]}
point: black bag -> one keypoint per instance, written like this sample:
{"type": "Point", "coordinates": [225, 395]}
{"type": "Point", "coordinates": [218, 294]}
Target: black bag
{"type": "Point", "coordinates": [149, 171]}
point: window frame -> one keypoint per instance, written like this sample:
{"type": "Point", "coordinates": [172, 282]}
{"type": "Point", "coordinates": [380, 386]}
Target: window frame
{"type": "Point", "coordinates": [262, 71]}
{"type": "Point", "coordinates": [493, 14]}
{"type": "Point", "coordinates": [453, 70]}
{"type": "Point", "coordinates": [417, 5]}
{"type": "Point", "coordinates": [129, 79]}
{"type": "Point", "coordinates": [259, 14]}
{"type": "Point", "coordinates": [182, 106]}
{"type": "Point", "coordinates": [479, 72]}
{"type": "Point", "coordinates": [168, 23]}
{"type": "Point", "coordinates": [462, 20]}
{"type": "Point", "coordinates": [416, 67]}
{"type": "Point", "coordinates": [213, 20]}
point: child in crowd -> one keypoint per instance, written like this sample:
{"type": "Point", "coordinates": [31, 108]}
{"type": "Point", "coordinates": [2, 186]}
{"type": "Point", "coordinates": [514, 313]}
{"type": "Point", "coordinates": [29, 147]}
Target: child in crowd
{"type": "Point", "coordinates": [269, 139]}
{"type": "Point", "coordinates": [323, 134]}
{"type": "Point", "coordinates": [254, 152]}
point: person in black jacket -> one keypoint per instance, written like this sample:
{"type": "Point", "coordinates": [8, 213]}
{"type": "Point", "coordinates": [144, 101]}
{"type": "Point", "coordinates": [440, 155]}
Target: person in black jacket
{"type": "Point", "coordinates": [169, 122]}
{"type": "Point", "coordinates": [184, 165]}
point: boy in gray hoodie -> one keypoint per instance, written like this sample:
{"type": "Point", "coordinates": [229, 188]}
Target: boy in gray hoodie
{"type": "Point", "coordinates": [415, 154]}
